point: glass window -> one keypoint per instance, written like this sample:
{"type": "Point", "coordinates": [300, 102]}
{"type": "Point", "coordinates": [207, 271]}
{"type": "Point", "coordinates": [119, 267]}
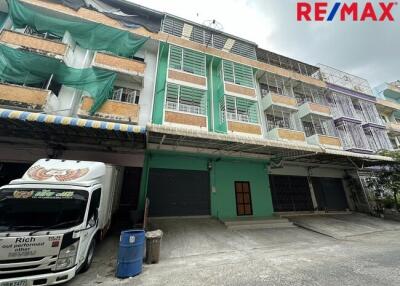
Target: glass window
{"type": "Point", "coordinates": [125, 94]}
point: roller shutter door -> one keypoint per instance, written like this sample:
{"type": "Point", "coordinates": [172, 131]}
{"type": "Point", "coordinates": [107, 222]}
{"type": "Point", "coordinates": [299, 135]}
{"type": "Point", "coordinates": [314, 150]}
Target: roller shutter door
{"type": "Point", "coordinates": [290, 193]}
{"type": "Point", "coordinates": [178, 192]}
{"type": "Point", "coordinates": [330, 194]}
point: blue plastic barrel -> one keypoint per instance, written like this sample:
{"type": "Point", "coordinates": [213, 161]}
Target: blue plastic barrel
{"type": "Point", "coordinates": [130, 253]}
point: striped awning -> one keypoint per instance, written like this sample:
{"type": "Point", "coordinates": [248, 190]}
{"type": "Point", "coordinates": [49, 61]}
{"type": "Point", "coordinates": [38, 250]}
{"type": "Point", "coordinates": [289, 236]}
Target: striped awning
{"type": "Point", "coordinates": [69, 121]}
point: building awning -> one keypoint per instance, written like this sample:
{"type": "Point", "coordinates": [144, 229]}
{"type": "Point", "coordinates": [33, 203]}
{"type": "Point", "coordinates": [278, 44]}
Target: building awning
{"type": "Point", "coordinates": [63, 129]}
{"type": "Point", "coordinates": [178, 138]}
{"type": "Point", "coordinates": [71, 121]}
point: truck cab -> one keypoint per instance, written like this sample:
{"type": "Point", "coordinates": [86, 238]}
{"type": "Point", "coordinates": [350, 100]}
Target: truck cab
{"type": "Point", "coordinates": [51, 218]}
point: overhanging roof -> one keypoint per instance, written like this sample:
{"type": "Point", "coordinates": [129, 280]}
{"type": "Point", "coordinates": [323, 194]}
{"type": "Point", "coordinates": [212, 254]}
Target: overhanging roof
{"type": "Point", "coordinates": [251, 145]}
{"type": "Point", "coordinates": [63, 129]}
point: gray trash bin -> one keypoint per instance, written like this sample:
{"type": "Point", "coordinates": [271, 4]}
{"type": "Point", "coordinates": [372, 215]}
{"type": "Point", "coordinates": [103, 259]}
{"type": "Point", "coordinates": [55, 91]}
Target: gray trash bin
{"type": "Point", "coordinates": [153, 246]}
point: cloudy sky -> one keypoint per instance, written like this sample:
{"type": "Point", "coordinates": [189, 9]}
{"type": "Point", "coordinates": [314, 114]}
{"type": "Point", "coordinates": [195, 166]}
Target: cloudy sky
{"type": "Point", "coordinates": [370, 50]}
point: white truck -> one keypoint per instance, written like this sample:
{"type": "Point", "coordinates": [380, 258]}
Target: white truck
{"type": "Point", "coordinates": [51, 218]}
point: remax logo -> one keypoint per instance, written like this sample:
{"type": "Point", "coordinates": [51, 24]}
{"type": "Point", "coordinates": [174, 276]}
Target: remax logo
{"type": "Point", "coordinates": [354, 11]}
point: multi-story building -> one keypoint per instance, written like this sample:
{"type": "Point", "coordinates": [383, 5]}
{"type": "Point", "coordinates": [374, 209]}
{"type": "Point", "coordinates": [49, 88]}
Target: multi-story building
{"type": "Point", "coordinates": [204, 122]}
{"type": "Point", "coordinates": [388, 104]}
{"type": "Point", "coordinates": [357, 120]}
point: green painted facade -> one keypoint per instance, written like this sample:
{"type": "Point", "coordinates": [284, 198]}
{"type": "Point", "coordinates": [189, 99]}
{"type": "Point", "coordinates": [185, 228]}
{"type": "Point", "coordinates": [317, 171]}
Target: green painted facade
{"type": "Point", "coordinates": [223, 174]}
{"type": "Point", "coordinates": [159, 96]}
{"type": "Point", "coordinates": [217, 84]}
{"type": "Point", "coordinates": [223, 171]}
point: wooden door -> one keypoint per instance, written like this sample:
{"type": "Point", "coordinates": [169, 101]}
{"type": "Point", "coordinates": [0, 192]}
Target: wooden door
{"type": "Point", "coordinates": [243, 199]}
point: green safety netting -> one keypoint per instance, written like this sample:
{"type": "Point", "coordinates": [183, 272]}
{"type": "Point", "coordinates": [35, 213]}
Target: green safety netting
{"type": "Point", "coordinates": [3, 18]}
{"type": "Point", "coordinates": [88, 35]}
{"type": "Point", "coordinates": [23, 67]}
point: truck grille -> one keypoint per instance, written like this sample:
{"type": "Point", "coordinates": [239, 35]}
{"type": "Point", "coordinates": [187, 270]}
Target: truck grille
{"type": "Point", "coordinates": [10, 261]}
{"type": "Point", "coordinates": [16, 266]}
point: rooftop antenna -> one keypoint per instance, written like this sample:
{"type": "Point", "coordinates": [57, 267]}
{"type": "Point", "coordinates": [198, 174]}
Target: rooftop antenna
{"type": "Point", "coordinates": [214, 24]}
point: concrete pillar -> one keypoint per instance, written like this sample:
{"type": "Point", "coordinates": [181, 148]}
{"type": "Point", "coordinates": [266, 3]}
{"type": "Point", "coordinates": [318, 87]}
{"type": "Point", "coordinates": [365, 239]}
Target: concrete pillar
{"type": "Point", "coordinates": [313, 197]}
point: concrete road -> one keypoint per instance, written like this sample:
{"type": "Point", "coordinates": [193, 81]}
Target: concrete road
{"type": "Point", "coordinates": [203, 252]}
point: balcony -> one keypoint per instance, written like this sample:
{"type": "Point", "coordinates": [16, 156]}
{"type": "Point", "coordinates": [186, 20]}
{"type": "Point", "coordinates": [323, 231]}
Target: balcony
{"type": "Point", "coordinates": [26, 98]}
{"type": "Point", "coordinates": [235, 89]}
{"type": "Point", "coordinates": [312, 108]}
{"type": "Point", "coordinates": [286, 135]}
{"type": "Point", "coordinates": [327, 141]}
{"type": "Point", "coordinates": [180, 118]}
{"type": "Point", "coordinates": [43, 46]}
{"type": "Point", "coordinates": [243, 127]}
{"type": "Point", "coordinates": [111, 110]}
{"type": "Point", "coordinates": [393, 128]}
{"type": "Point", "coordinates": [185, 78]}
{"type": "Point", "coordinates": [119, 64]}
{"type": "Point", "coordinates": [392, 91]}
{"type": "Point", "coordinates": [284, 102]}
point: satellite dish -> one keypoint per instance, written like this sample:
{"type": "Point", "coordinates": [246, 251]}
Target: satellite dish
{"type": "Point", "coordinates": [214, 24]}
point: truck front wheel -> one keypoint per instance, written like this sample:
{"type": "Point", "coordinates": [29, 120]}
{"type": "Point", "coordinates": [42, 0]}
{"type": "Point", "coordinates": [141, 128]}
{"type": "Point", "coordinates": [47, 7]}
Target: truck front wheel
{"type": "Point", "coordinates": [89, 256]}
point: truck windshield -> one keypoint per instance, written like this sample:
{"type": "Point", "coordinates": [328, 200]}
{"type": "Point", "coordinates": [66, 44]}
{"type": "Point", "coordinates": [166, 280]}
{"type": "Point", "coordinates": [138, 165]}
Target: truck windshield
{"type": "Point", "coordinates": [30, 209]}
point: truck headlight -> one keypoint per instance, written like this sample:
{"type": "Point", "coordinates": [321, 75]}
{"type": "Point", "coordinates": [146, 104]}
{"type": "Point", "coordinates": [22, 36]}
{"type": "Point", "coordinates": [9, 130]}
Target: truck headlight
{"type": "Point", "coordinates": [67, 256]}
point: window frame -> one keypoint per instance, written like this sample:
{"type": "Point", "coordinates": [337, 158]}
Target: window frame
{"type": "Point", "coordinates": [135, 97]}
{"type": "Point", "coordinates": [236, 115]}
{"type": "Point", "coordinates": [182, 64]}
{"type": "Point", "coordinates": [234, 75]}
{"type": "Point", "coordinates": [178, 103]}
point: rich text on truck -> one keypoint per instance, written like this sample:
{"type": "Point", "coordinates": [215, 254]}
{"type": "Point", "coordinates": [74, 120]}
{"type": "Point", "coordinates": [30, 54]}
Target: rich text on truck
{"type": "Point", "coordinates": [51, 218]}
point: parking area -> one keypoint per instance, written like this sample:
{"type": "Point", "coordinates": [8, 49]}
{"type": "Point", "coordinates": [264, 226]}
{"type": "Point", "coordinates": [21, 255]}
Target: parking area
{"type": "Point", "coordinates": [343, 226]}
{"type": "Point", "coordinates": [204, 252]}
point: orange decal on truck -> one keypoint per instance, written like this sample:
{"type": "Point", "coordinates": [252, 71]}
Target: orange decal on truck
{"type": "Point", "coordinates": [40, 173]}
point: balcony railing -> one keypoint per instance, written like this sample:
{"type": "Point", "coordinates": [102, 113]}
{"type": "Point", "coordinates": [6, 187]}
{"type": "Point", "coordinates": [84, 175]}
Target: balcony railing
{"type": "Point", "coordinates": [111, 110]}
{"type": "Point", "coordinates": [41, 45]}
{"type": "Point", "coordinates": [237, 117]}
{"type": "Point", "coordinates": [119, 64]}
{"type": "Point", "coordinates": [184, 107]}
{"type": "Point", "coordinates": [312, 108]}
{"type": "Point", "coordinates": [28, 98]}
{"type": "Point", "coordinates": [272, 99]}
{"type": "Point", "coordinates": [284, 134]}
{"type": "Point", "coordinates": [393, 127]}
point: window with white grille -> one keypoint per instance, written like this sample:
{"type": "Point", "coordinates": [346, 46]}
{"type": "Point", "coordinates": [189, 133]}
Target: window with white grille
{"type": "Point", "coordinates": [124, 94]}
{"type": "Point", "coordinates": [240, 109]}
{"type": "Point", "coordinates": [186, 99]}
{"type": "Point", "coordinates": [187, 60]}
{"type": "Point", "coordinates": [45, 35]}
{"type": "Point", "coordinates": [238, 74]}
